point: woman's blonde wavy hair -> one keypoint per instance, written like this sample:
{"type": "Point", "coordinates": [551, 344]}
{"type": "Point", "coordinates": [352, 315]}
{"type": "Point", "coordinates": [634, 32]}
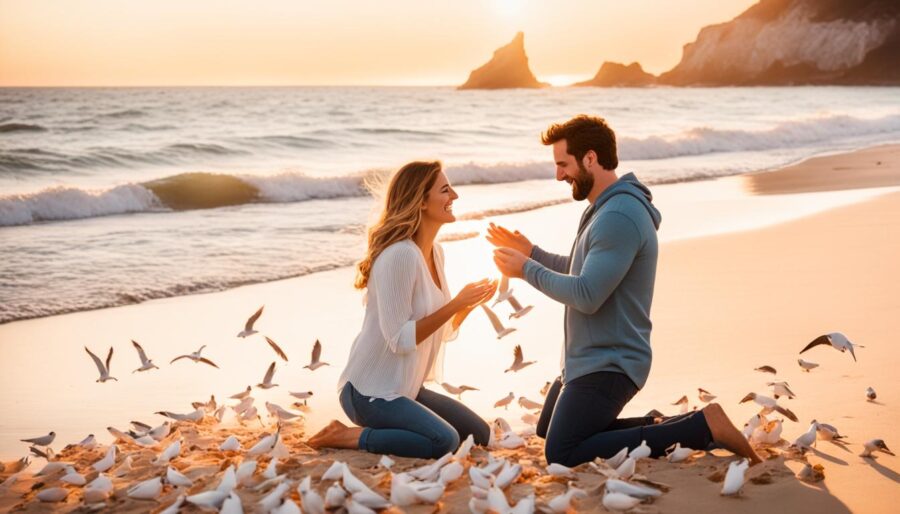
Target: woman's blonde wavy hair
{"type": "Point", "coordinates": [402, 213]}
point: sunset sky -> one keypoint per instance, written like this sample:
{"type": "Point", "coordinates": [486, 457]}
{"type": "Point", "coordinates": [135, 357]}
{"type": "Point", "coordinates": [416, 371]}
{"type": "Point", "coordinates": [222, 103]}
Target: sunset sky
{"type": "Point", "coordinates": [338, 42]}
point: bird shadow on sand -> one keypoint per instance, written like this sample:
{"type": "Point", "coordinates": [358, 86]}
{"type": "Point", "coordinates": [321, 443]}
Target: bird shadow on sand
{"type": "Point", "coordinates": [822, 455]}
{"type": "Point", "coordinates": [876, 402]}
{"type": "Point", "coordinates": [889, 473]}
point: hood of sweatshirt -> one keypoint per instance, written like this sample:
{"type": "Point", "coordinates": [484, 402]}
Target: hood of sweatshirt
{"type": "Point", "coordinates": [630, 185]}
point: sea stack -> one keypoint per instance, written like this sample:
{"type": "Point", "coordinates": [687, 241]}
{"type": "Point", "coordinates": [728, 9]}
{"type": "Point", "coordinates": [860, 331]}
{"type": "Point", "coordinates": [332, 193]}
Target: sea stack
{"type": "Point", "coordinates": [507, 69]}
{"type": "Point", "coordinates": [613, 74]}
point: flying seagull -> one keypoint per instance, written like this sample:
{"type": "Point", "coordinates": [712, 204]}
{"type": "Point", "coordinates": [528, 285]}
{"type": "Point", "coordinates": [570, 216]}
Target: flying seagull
{"type": "Point", "coordinates": [520, 311]}
{"type": "Point", "coordinates": [145, 362]}
{"type": "Point", "coordinates": [267, 380]}
{"type": "Point", "coordinates": [458, 391]}
{"type": "Point", "coordinates": [837, 340]}
{"type": "Point", "coordinates": [495, 321]}
{"type": "Point", "coordinates": [248, 327]}
{"type": "Point", "coordinates": [518, 359]}
{"type": "Point", "coordinates": [277, 349]}
{"type": "Point", "coordinates": [101, 367]}
{"type": "Point", "coordinates": [314, 362]}
{"type": "Point", "coordinates": [503, 291]}
{"type": "Point", "coordinates": [196, 358]}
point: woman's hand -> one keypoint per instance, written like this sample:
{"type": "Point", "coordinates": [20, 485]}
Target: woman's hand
{"type": "Point", "coordinates": [503, 238]}
{"type": "Point", "coordinates": [487, 294]}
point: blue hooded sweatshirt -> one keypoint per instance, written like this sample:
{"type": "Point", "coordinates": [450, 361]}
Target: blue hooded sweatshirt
{"type": "Point", "coordinates": [606, 283]}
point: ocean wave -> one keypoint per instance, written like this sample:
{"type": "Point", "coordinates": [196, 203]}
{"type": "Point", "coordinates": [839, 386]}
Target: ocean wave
{"type": "Point", "coordinates": [66, 203]}
{"type": "Point", "coordinates": [6, 128]}
{"type": "Point", "coordinates": [790, 134]}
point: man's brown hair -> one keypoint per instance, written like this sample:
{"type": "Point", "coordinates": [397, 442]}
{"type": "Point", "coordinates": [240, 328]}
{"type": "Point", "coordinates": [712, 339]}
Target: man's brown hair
{"type": "Point", "coordinates": [582, 134]}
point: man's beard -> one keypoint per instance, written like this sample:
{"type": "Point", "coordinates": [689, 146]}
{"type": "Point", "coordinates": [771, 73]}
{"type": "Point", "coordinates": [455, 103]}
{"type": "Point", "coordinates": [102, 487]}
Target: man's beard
{"type": "Point", "coordinates": [582, 183]}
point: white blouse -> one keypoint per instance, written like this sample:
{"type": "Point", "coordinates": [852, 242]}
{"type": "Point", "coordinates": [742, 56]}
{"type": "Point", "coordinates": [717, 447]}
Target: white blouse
{"type": "Point", "coordinates": [385, 362]}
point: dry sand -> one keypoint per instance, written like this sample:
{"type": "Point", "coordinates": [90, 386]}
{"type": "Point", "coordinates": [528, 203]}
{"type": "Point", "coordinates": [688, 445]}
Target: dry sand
{"type": "Point", "coordinates": [723, 306]}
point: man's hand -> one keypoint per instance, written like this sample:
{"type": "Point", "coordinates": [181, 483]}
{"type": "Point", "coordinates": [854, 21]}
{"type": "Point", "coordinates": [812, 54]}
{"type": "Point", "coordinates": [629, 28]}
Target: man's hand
{"type": "Point", "coordinates": [502, 237]}
{"type": "Point", "coordinates": [510, 262]}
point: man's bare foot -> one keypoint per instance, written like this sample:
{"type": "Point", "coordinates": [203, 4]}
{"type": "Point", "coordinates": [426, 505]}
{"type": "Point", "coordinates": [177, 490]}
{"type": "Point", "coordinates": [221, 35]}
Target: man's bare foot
{"type": "Point", "coordinates": [727, 435]}
{"type": "Point", "coordinates": [336, 435]}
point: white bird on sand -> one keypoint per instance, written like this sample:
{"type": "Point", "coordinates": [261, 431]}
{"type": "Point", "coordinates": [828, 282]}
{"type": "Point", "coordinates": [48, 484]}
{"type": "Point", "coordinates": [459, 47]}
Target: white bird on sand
{"type": "Point", "coordinates": [462, 452]}
{"type": "Point", "coordinates": [228, 481]}
{"type": "Point", "coordinates": [123, 468]}
{"type": "Point", "coordinates": [88, 442]}
{"type": "Point", "coordinates": [619, 501]}
{"type": "Point", "coordinates": [272, 500]}
{"type": "Point", "coordinates": [768, 405]}
{"type": "Point", "coordinates": [271, 470]}
{"type": "Point", "coordinates": [734, 477]}
{"type": "Point", "coordinates": [174, 477]}
{"type": "Point", "coordinates": [766, 369]}
{"type": "Point", "coordinates": [677, 454]}
{"type": "Point", "coordinates": [73, 477]}
{"type": "Point", "coordinates": [232, 504]}
{"type": "Point", "coordinates": [519, 310]}
{"type": "Point", "coordinates": [805, 441]}
{"type": "Point", "coordinates": [870, 394]}
{"type": "Point", "coordinates": [212, 499]}
{"type": "Point", "coordinates": [704, 395]}
{"type": "Point", "coordinates": [335, 496]}
{"type": "Point", "coordinates": [175, 506]}
{"type": "Point", "coordinates": [496, 323]}
{"type": "Point", "coordinates": [230, 444]}
{"type": "Point", "coordinates": [302, 395]}
{"type": "Point", "coordinates": [266, 444]}
{"type": "Point", "coordinates": [638, 491]}
{"type": "Point", "coordinates": [334, 472]}
{"type": "Point", "coordinates": [837, 340]}
{"type": "Point", "coordinates": [518, 359]}
{"type": "Point", "coordinates": [807, 365]}
{"type": "Point", "coordinates": [43, 440]}
{"type": "Point", "coordinates": [147, 490]}
{"type": "Point", "coordinates": [875, 445]}
{"type": "Point", "coordinates": [315, 361]}
{"type": "Point", "coordinates": [277, 348]}
{"type": "Point", "coordinates": [451, 472]}
{"type": "Point", "coordinates": [169, 453]}
{"type": "Point", "coordinates": [98, 489]}
{"type": "Point", "coordinates": [267, 380]}
{"type": "Point", "coordinates": [312, 501]}
{"type": "Point", "coordinates": [683, 402]}
{"type": "Point", "coordinates": [429, 472]}
{"type": "Point", "coordinates": [768, 433]}
{"type": "Point", "coordinates": [505, 401]}
{"type": "Point", "coordinates": [458, 391]}
{"type": "Point", "coordinates": [563, 503]}
{"type": "Point", "coordinates": [781, 389]}
{"type": "Point", "coordinates": [102, 367]}
{"type": "Point", "coordinates": [196, 357]}
{"type": "Point", "coordinates": [511, 440]}
{"type": "Point", "coordinates": [626, 469]}
{"type": "Point", "coordinates": [640, 452]}
{"type": "Point", "coordinates": [827, 432]}
{"type": "Point", "coordinates": [146, 363]}
{"type": "Point", "coordinates": [195, 416]}
{"type": "Point", "coordinates": [288, 506]}
{"type": "Point", "coordinates": [280, 412]}
{"type": "Point", "coordinates": [243, 394]}
{"type": "Point", "coordinates": [558, 470]}
{"type": "Point", "coordinates": [616, 460]}
{"type": "Point", "coordinates": [244, 405]}
{"type": "Point", "coordinates": [107, 461]}
{"type": "Point", "coordinates": [525, 403]}
{"type": "Point", "coordinates": [248, 326]}
{"type": "Point", "coordinates": [244, 472]}
{"type": "Point", "coordinates": [503, 291]}
{"type": "Point", "coordinates": [160, 432]}
{"type": "Point", "coordinates": [53, 494]}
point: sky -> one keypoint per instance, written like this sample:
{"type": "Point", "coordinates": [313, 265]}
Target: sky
{"type": "Point", "coordinates": [335, 42]}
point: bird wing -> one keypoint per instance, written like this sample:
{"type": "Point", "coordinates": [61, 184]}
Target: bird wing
{"type": "Point", "coordinates": [747, 398]}
{"type": "Point", "coordinates": [277, 349]}
{"type": "Point", "coordinates": [252, 319]}
{"type": "Point", "coordinates": [681, 400]}
{"type": "Point", "coordinates": [109, 358]}
{"type": "Point", "coordinates": [514, 302]}
{"type": "Point", "coordinates": [786, 412]}
{"type": "Point", "coordinates": [97, 361]}
{"type": "Point", "coordinates": [816, 342]}
{"type": "Point", "coordinates": [316, 352]}
{"type": "Point", "coordinates": [703, 390]}
{"type": "Point", "coordinates": [204, 360]}
{"type": "Point", "coordinates": [504, 284]}
{"type": "Point", "coordinates": [495, 321]}
{"type": "Point", "coordinates": [518, 357]}
{"type": "Point", "coordinates": [850, 347]}
{"type": "Point", "coordinates": [269, 374]}
{"type": "Point", "coordinates": [140, 350]}
{"type": "Point", "coordinates": [179, 358]}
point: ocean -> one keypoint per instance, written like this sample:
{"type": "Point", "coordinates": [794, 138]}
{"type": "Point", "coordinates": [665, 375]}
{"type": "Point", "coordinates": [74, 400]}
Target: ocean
{"type": "Point", "coordinates": [111, 196]}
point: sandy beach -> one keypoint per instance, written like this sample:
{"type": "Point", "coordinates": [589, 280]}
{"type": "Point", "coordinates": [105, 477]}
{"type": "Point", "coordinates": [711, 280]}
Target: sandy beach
{"type": "Point", "coordinates": [751, 269]}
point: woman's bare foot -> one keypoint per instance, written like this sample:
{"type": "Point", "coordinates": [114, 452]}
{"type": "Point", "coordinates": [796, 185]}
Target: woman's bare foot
{"type": "Point", "coordinates": [336, 435]}
{"type": "Point", "coordinates": [726, 434]}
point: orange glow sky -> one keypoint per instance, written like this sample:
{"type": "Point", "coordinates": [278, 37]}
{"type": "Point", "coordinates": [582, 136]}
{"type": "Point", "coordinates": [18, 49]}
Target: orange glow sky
{"type": "Point", "coordinates": [334, 42]}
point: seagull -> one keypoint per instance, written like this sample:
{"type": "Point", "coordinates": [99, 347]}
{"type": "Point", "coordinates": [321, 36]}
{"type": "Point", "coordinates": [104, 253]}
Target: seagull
{"type": "Point", "coordinates": [43, 440]}
{"type": "Point", "coordinates": [195, 416]}
{"type": "Point", "coordinates": [177, 479]}
{"type": "Point", "coordinates": [146, 490]}
{"type": "Point", "coordinates": [545, 389]}
{"type": "Point", "coordinates": [230, 444]}
{"type": "Point", "coordinates": [280, 412]}
{"type": "Point", "coordinates": [768, 405]}
{"type": "Point", "coordinates": [265, 445]}
{"type": "Point", "coordinates": [870, 394]}
{"type": "Point", "coordinates": [518, 358]}
{"type": "Point", "coordinates": [248, 327]}
{"type": "Point", "coordinates": [107, 461]}
{"type": "Point", "coordinates": [312, 501]}
{"type": "Point", "coordinates": [267, 380]}
{"type": "Point", "coordinates": [209, 406]}
{"type": "Point", "coordinates": [169, 453]}
{"type": "Point", "coordinates": [277, 348]}
{"type": "Point", "coordinates": [196, 358]}
{"type": "Point", "coordinates": [638, 491]}
{"type": "Point", "coordinates": [519, 310]}
{"type": "Point", "coordinates": [875, 445]}
{"type": "Point", "coordinates": [781, 389]}
{"type": "Point", "coordinates": [676, 453]}
{"type": "Point", "coordinates": [314, 362]}
{"type": "Point", "coordinates": [303, 395]}
{"type": "Point", "coordinates": [806, 365]}
{"type": "Point", "coordinates": [505, 401]}
{"type": "Point", "coordinates": [837, 340]}
{"type": "Point", "coordinates": [146, 363]}
{"type": "Point", "coordinates": [705, 396]}
{"type": "Point", "coordinates": [53, 494]}
{"type": "Point", "coordinates": [497, 324]}
{"type": "Point", "coordinates": [827, 432]}
{"type": "Point", "coordinates": [458, 391]}
{"type": "Point", "coordinates": [619, 501]}
{"type": "Point", "coordinates": [240, 396]}
{"type": "Point", "coordinates": [766, 369]}
{"type": "Point", "coordinates": [807, 439]}
{"type": "Point", "coordinates": [212, 499]}
{"type": "Point", "coordinates": [101, 367]}
{"type": "Point", "coordinates": [734, 478]}
{"type": "Point", "coordinates": [503, 291]}
{"type": "Point", "coordinates": [527, 404]}
{"type": "Point", "coordinates": [640, 452]}
{"type": "Point", "coordinates": [683, 402]}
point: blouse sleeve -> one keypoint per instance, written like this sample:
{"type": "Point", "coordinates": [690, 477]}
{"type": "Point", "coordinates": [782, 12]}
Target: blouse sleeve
{"type": "Point", "coordinates": [394, 274]}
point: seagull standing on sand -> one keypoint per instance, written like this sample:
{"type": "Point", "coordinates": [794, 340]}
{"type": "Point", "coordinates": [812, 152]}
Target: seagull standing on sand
{"type": "Point", "coordinates": [196, 358]}
{"type": "Point", "coordinates": [101, 367]}
{"type": "Point", "coordinates": [302, 395]}
{"type": "Point", "coordinates": [734, 477]}
{"type": "Point", "coordinates": [315, 362]}
{"type": "Point", "coordinates": [518, 360]}
{"type": "Point", "coordinates": [870, 394]}
{"type": "Point", "coordinates": [807, 365]}
{"type": "Point", "coordinates": [277, 348]}
{"type": "Point", "coordinates": [248, 327]}
{"type": "Point", "coordinates": [146, 363]}
{"type": "Point", "coordinates": [527, 404]}
{"type": "Point", "coordinates": [505, 401]}
{"type": "Point", "coordinates": [458, 391]}
{"type": "Point", "coordinates": [781, 389]}
{"type": "Point", "coordinates": [837, 340]}
{"type": "Point", "coordinates": [805, 441]}
{"type": "Point", "coordinates": [267, 380]}
{"type": "Point", "coordinates": [43, 440]}
{"type": "Point", "coordinates": [496, 323]}
{"type": "Point", "coordinates": [875, 445]}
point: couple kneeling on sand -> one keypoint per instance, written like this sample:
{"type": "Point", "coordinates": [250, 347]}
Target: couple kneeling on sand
{"type": "Point", "coordinates": [606, 284]}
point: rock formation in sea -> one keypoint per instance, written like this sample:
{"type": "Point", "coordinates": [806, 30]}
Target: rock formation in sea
{"type": "Point", "coordinates": [508, 68]}
{"type": "Point", "coordinates": [613, 74]}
